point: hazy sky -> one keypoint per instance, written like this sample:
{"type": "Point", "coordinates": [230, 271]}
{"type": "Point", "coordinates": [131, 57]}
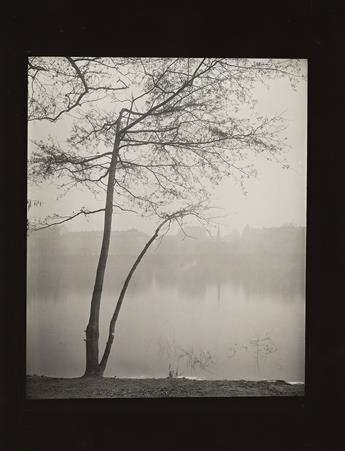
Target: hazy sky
{"type": "Point", "coordinates": [276, 196]}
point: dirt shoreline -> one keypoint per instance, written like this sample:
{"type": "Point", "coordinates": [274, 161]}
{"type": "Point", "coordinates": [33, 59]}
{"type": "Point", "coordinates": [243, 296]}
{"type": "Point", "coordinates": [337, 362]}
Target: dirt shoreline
{"type": "Point", "coordinates": [42, 387]}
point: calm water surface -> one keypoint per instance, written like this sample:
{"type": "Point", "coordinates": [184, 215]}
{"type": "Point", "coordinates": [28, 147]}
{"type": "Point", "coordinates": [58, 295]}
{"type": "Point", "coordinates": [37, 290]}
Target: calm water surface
{"type": "Point", "coordinates": [196, 321]}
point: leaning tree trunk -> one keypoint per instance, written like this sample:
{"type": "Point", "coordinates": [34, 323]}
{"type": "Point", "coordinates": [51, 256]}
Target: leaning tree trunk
{"type": "Point", "coordinates": [92, 330]}
{"type": "Point", "coordinates": [113, 321]}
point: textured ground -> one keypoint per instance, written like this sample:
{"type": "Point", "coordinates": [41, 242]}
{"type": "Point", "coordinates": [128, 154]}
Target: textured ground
{"type": "Point", "coordinates": [40, 387]}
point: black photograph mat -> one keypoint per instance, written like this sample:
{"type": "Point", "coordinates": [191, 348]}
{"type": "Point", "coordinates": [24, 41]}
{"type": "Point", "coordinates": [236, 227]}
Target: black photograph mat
{"type": "Point", "coordinates": [202, 422]}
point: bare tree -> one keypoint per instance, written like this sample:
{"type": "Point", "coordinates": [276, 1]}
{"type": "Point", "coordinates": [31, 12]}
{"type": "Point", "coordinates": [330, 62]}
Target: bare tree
{"type": "Point", "coordinates": [148, 132]}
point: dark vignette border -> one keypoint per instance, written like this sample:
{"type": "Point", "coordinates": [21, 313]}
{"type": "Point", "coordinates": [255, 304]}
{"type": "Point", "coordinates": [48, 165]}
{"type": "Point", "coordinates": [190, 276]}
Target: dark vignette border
{"type": "Point", "coordinates": [312, 422]}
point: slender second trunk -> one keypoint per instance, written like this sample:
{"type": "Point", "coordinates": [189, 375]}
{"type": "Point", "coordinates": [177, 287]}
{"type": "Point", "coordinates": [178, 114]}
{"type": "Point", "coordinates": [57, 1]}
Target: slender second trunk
{"type": "Point", "coordinates": [113, 321]}
{"type": "Point", "coordinates": [92, 330]}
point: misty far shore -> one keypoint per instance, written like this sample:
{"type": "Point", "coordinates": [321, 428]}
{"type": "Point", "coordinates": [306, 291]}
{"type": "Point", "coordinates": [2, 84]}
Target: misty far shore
{"type": "Point", "coordinates": [266, 260]}
{"type": "Point", "coordinates": [288, 239]}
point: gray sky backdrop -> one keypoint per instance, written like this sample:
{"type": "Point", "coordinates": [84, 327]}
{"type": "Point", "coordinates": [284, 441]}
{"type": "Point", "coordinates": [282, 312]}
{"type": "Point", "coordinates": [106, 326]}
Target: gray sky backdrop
{"type": "Point", "coordinates": [275, 197]}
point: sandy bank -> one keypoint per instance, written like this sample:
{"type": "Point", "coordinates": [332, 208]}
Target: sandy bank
{"type": "Point", "coordinates": [40, 387]}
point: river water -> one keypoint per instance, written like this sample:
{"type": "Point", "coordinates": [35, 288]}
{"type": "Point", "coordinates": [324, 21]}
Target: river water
{"type": "Point", "coordinates": [192, 318]}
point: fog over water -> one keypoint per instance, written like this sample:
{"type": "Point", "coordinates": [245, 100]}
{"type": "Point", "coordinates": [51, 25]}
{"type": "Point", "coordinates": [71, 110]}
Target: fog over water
{"type": "Point", "coordinates": [227, 307]}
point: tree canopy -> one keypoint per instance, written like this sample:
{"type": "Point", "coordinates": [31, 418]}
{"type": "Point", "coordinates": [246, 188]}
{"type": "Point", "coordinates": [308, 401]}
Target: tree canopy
{"type": "Point", "coordinates": [181, 126]}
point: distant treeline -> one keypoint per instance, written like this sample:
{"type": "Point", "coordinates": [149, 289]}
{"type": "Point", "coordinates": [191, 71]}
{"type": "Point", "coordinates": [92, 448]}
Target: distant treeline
{"type": "Point", "coordinates": [270, 261]}
{"type": "Point", "coordinates": [284, 240]}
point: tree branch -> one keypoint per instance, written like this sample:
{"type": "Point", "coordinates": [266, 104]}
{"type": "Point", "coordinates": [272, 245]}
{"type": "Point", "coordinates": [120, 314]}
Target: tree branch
{"type": "Point", "coordinates": [67, 218]}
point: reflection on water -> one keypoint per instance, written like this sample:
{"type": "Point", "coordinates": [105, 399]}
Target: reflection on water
{"type": "Point", "coordinates": [224, 317]}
